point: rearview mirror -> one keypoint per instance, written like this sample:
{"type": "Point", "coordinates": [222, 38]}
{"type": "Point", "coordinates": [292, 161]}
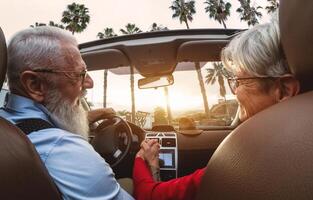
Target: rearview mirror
{"type": "Point", "coordinates": [155, 82]}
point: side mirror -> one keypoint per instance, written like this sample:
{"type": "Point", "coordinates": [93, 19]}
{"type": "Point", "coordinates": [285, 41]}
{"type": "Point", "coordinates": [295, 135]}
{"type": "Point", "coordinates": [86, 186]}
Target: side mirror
{"type": "Point", "coordinates": [155, 82]}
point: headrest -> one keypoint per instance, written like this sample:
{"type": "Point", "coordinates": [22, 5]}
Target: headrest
{"type": "Point", "coordinates": [297, 39]}
{"type": "Point", "coordinates": [269, 156]}
{"type": "Point", "coordinates": [3, 58]}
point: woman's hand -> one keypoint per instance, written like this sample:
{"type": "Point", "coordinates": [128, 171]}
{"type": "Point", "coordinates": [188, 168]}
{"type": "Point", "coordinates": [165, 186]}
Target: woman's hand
{"type": "Point", "coordinates": [150, 152]}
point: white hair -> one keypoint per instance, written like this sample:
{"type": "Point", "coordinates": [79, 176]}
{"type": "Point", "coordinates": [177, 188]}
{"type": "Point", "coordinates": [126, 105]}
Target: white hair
{"type": "Point", "coordinates": [71, 118]}
{"type": "Point", "coordinates": [257, 52]}
{"type": "Point", "coordinates": [39, 47]}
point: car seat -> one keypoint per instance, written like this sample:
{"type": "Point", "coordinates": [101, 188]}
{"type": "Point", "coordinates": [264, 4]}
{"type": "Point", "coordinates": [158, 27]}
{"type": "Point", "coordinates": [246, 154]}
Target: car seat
{"type": "Point", "coordinates": [270, 156]}
{"type": "Point", "coordinates": [22, 174]}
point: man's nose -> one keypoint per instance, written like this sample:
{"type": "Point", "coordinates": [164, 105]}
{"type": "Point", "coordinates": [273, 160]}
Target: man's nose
{"type": "Point", "coordinates": [88, 83]}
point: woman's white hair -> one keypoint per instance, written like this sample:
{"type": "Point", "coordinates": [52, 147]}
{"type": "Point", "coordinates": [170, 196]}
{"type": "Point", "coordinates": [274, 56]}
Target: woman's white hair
{"type": "Point", "coordinates": [39, 47]}
{"type": "Point", "coordinates": [256, 52]}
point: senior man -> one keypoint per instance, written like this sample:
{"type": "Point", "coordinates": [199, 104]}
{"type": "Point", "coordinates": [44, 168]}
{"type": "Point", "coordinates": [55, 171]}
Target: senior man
{"type": "Point", "coordinates": [258, 75]}
{"type": "Point", "coordinates": [47, 78]}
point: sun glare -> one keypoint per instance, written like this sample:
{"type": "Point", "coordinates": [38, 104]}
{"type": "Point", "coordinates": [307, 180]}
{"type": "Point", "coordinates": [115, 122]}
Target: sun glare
{"type": "Point", "coordinates": [180, 102]}
{"type": "Point", "coordinates": [183, 96]}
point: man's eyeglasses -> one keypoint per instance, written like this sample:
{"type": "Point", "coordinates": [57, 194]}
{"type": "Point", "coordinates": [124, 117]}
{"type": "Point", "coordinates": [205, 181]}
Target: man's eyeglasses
{"type": "Point", "coordinates": [234, 82]}
{"type": "Point", "coordinates": [70, 74]}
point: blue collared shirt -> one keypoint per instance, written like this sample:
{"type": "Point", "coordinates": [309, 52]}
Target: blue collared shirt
{"type": "Point", "coordinates": [77, 169]}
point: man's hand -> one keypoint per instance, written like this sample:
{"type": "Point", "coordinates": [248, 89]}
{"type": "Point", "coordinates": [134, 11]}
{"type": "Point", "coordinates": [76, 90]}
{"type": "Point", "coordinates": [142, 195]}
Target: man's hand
{"type": "Point", "coordinates": [150, 152]}
{"type": "Point", "coordinates": [98, 114]}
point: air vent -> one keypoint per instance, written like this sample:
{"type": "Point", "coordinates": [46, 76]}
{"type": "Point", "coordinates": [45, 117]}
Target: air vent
{"type": "Point", "coordinates": [151, 134]}
{"type": "Point", "coordinates": [169, 134]}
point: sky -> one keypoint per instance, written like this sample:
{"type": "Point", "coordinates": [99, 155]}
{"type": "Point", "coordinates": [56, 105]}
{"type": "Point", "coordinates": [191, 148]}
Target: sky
{"type": "Point", "coordinates": [16, 15]}
{"type": "Point", "coordinates": [19, 14]}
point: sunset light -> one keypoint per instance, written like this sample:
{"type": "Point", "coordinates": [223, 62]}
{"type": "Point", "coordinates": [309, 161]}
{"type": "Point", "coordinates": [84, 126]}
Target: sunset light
{"type": "Point", "coordinates": [182, 98]}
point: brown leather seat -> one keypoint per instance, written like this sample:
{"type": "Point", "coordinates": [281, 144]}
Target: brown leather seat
{"type": "Point", "coordinates": [22, 174]}
{"type": "Point", "coordinates": [270, 156]}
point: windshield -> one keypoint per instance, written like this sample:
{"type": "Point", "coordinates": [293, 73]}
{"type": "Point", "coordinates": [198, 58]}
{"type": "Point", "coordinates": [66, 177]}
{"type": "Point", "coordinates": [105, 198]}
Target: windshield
{"type": "Point", "coordinates": [168, 105]}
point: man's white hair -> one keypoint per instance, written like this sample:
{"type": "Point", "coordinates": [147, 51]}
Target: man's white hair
{"type": "Point", "coordinates": [39, 47]}
{"type": "Point", "coordinates": [43, 47]}
{"type": "Point", "coordinates": [71, 118]}
{"type": "Point", "coordinates": [257, 52]}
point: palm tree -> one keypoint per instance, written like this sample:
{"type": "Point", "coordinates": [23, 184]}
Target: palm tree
{"type": "Point", "coordinates": [202, 88]}
{"type": "Point", "coordinates": [105, 87]}
{"type": "Point", "coordinates": [249, 13]}
{"type": "Point", "coordinates": [168, 106]}
{"type": "Point", "coordinates": [156, 27]}
{"type": "Point", "coordinates": [273, 6]}
{"type": "Point", "coordinates": [130, 29]}
{"type": "Point", "coordinates": [76, 17]}
{"type": "Point", "coordinates": [218, 10]}
{"type": "Point", "coordinates": [132, 91]}
{"type": "Point", "coordinates": [106, 33]}
{"type": "Point", "coordinates": [52, 23]}
{"type": "Point", "coordinates": [38, 24]}
{"type": "Point", "coordinates": [216, 73]}
{"type": "Point", "coordinates": [183, 10]}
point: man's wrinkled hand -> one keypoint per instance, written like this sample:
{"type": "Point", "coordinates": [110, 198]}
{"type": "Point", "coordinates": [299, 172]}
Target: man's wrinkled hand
{"type": "Point", "coordinates": [101, 113]}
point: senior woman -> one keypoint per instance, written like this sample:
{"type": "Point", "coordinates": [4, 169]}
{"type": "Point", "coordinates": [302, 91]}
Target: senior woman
{"type": "Point", "coordinates": [258, 75]}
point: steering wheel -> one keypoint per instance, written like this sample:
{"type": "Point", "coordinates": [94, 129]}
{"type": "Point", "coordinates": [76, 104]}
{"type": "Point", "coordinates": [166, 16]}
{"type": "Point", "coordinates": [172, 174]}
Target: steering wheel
{"type": "Point", "coordinates": [113, 138]}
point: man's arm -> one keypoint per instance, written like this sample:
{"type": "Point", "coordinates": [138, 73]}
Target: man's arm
{"type": "Point", "coordinates": [80, 172]}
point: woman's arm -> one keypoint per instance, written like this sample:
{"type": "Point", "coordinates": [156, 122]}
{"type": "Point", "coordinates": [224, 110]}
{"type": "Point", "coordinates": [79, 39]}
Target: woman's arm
{"type": "Point", "coordinates": [183, 188]}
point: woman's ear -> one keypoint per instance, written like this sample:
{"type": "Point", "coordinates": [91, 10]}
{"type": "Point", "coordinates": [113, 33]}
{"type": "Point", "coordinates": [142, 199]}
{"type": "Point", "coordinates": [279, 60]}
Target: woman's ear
{"type": "Point", "coordinates": [33, 85]}
{"type": "Point", "coordinates": [290, 87]}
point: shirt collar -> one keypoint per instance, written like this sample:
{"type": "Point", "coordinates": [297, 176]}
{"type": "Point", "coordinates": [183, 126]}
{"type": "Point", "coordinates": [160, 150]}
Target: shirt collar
{"type": "Point", "coordinates": [22, 105]}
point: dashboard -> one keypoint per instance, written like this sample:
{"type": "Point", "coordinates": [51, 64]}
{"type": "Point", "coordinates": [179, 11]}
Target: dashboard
{"type": "Point", "coordinates": [168, 155]}
{"type": "Point", "coordinates": [180, 154]}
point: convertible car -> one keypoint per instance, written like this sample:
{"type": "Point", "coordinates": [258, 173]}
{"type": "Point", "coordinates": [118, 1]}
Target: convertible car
{"type": "Point", "coordinates": [169, 85]}
{"type": "Point", "coordinates": [167, 74]}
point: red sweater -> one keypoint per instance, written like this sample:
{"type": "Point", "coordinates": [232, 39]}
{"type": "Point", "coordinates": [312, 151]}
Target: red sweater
{"type": "Point", "coordinates": [183, 188]}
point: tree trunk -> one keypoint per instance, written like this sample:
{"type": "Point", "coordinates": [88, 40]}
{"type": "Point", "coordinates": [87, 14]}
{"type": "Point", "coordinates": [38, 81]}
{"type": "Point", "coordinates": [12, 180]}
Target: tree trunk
{"type": "Point", "coordinates": [132, 91]}
{"type": "Point", "coordinates": [224, 24]}
{"type": "Point", "coordinates": [205, 99]}
{"type": "Point", "coordinates": [105, 86]}
{"type": "Point", "coordinates": [169, 111]}
{"type": "Point", "coordinates": [187, 24]}
{"type": "Point", "coordinates": [227, 110]}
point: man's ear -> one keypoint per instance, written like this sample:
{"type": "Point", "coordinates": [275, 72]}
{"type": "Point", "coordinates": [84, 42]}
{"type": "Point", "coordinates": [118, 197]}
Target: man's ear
{"type": "Point", "coordinates": [33, 85]}
{"type": "Point", "coordinates": [290, 87]}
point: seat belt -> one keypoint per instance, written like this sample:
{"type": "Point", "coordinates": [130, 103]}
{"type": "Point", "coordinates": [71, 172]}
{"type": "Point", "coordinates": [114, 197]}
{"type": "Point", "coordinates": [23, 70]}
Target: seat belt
{"type": "Point", "coordinates": [33, 124]}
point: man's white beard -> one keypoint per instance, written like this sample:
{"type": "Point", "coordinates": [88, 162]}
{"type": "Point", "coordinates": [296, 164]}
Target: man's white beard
{"type": "Point", "coordinates": [72, 118]}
